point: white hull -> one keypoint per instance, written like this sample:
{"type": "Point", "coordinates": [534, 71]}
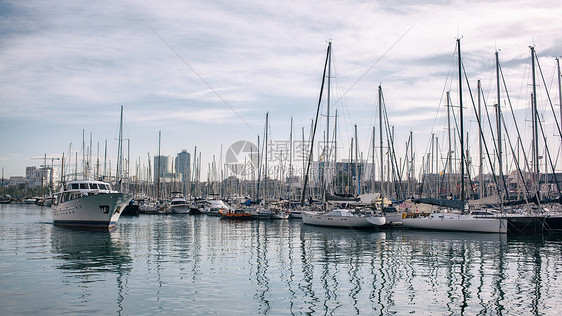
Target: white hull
{"type": "Point", "coordinates": [465, 223]}
{"type": "Point", "coordinates": [180, 209]}
{"type": "Point", "coordinates": [377, 220]}
{"type": "Point", "coordinates": [280, 215]}
{"type": "Point", "coordinates": [393, 218]}
{"type": "Point", "coordinates": [295, 214]}
{"type": "Point", "coordinates": [100, 210]}
{"type": "Point", "coordinates": [320, 219]}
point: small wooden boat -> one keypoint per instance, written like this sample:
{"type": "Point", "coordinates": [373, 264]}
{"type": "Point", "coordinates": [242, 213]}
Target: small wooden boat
{"type": "Point", "coordinates": [235, 213]}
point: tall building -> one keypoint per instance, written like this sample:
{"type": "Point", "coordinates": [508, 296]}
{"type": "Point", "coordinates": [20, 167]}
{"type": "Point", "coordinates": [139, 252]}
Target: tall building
{"type": "Point", "coordinates": [161, 168]}
{"type": "Point", "coordinates": [182, 166]}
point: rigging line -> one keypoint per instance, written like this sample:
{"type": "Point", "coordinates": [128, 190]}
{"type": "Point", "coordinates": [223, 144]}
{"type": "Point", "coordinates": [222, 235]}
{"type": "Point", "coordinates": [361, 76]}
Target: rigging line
{"type": "Point", "coordinates": [202, 79]}
{"type": "Point", "coordinates": [548, 96]}
{"type": "Point", "coordinates": [373, 65]}
{"type": "Point", "coordinates": [442, 94]}
{"type": "Point", "coordinates": [519, 139]}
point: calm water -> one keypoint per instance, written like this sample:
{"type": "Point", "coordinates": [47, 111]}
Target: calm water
{"type": "Point", "coordinates": [188, 265]}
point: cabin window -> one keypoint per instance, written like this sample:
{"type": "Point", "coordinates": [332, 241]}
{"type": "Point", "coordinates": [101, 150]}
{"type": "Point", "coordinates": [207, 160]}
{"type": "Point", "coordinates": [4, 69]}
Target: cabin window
{"type": "Point", "coordinates": [75, 186]}
{"type": "Point", "coordinates": [83, 186]}
{"type": "Point", "coordinates": [94, 186]}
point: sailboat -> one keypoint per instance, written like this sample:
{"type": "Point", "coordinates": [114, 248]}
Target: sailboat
{"type": "Point", "coordinates": [338, 216]}
{"type": "Point", "coordinates": [460, 220]}
{"type": "Point", "coordinates": [342, 217]}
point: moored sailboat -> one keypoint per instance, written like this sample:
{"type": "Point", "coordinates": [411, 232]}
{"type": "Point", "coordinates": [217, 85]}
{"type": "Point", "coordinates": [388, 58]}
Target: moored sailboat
{"type": "Point", "coordinates": [340, 217]}
{"type": "Point", "coordinates": [476, 221]}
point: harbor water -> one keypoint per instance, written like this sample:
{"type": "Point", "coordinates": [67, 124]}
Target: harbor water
{"type": "Point", "coordinates": [202, 265]}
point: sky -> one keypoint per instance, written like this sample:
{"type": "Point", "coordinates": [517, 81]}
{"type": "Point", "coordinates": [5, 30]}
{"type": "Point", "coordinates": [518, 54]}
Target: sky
{"type": "Point", "coordinates": [205, 73]}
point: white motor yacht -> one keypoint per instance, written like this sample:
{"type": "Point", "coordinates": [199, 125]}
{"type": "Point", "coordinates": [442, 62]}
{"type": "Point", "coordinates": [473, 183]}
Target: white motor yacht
{"type": "Point", "coordinates": [179, 204]}
{"type": "Point", "coordinates": [88, 203]}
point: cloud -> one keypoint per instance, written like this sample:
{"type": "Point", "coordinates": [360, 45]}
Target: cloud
{"type": "Point", "coordinates": [73, 64]}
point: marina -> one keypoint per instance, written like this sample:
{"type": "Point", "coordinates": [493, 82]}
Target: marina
{"type": "Point", "coordinates": [197, 264]}
{"type": "Point", "coordinates": [316, 158]}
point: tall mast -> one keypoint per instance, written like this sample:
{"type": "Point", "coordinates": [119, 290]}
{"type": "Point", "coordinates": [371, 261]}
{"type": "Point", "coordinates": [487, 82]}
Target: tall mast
{"type": "Point", "coordinates": [90, 155]}
{"type": "Point", "coordinates": [290, 160]}
{"type": "Point", "coordinates": [357, 171]}
{"type": "Point", "coordinates": [305, 182]}
{"type": "Point", "coordinates": [373, 163]}
{"type": "Point", "coordinates": [535, 121]}
{"type": "Point", "coordinates": [105, 161]}
{"type": "Point", "coordinates": [98, 163]}
{"type": "Point", "coordinates": [83, 156]}
{"type": "Point", "coordinates": [559, 90]}
{"type": "Point", "coordinates": [380, 139]}
{"type": "Point", "coordinates": [449, 154]}
{"type": "Point", "coordinates": [259, 170]}
{"type": "Point", "coordinates": [498, 119]}
{"type": "Point", "coordinates": [480, 167]}
{"type": "Point", "coordinates": [336, 139]}
{"type": "Point", "coordinates": [461, 121]}
{"type": "Point", "coordinates": [159, 164]}
{"type": "Point", "coordinates": [266, 172]}
{"type": "Point", "coordinates": [336, 144]}
{"type": "Point", "coordinates": [120, 152]}
{"type": "Point", "coordinates": [326, 146]}
{"type": "Point", "coordinates": [411, 171]}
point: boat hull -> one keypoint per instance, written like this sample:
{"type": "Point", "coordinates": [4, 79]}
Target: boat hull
{"type": "Point", "coordinates": [481, 225]}
{"type": "Point", "coordinates": [180, 209]}
{"type": "Point", "coordinates": [93, 211]}
{"type": "Point", "coordinates": [235, 214]}
{"type": "Point", "coordinates": [335, 221]}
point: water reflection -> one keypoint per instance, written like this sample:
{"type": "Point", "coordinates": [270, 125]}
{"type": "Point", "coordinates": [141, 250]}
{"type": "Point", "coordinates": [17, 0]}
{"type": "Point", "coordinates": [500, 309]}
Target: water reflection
{"type": "Point", "coordinates": [204, 265]}
{"type": "Point", "coordinates": [86, 253]}
{"type": "Point", "coordinates": [87, 257]}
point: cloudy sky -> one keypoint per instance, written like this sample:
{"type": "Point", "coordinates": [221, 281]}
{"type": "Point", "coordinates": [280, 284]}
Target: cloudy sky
{"type": "Point", "coordinates": [205, 73]}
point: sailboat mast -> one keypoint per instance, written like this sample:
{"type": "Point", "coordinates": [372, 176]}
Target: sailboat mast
{"type": "Point", "coordinates": [290, 160]}
{"type": "Point", "coordinates": [498, 119]}
{"type": "Point", "coordinates": [534, 120]}
{"type": "Point", "coordinates": [266, 172]}
{"type": "Point", "coordinates": [450, 153]}
{"type": "Point", "coordinates": [336, 145]}
{"type": "Point", "coordinates": [373, 162]}
{"type": "Point", "coordinates": [83, 156]}
{"type": "Point", "coordinates": [380, 139]}
{"type": "Point", "coordinates": [461, 121]}
{"type": "Point", "coordinates": [314, 129]}
{"type": "Point", "coordinates": [559, 90]}
{"type": "Point", "coordinates": [357, 171]}
{"type": "Point", "coordinates": [480, 167]}
{"type": "Point", "coordinates": [159, 163]}
{"type": "Point", "coordinates": [326, 146]}
{"type": "Point", "coordinates": [105, 161]}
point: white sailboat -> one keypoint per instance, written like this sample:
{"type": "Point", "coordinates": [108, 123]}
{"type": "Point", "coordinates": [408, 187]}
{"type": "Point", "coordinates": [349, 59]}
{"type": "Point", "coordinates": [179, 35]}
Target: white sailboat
{"type": "Point", "coordinates": [476, 221]}
{"type": "Point", "coordinates": [344, 218]}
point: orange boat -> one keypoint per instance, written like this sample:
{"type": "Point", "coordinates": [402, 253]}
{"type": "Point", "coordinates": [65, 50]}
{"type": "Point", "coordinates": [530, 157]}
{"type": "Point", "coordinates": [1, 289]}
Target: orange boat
{"type": "Point", "coordinates": [235, 214]}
